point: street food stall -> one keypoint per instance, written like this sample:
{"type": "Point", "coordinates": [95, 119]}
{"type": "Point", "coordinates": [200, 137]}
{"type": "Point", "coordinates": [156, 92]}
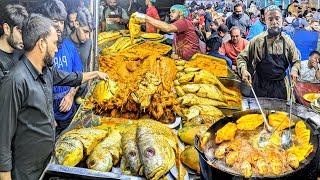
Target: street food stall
{"type": "Point", "coordinates": [159, 117]}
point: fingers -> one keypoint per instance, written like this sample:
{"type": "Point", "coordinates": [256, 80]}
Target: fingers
{"type": "Point", "coordinates": [246, 77]}
{"type": "Point", "coordinates": [65, 105]}
{"type": "Point", "coordinates": [104, 76]}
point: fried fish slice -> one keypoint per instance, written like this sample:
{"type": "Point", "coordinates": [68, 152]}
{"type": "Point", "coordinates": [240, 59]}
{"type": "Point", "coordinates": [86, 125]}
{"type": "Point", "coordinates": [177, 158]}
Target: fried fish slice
{"type": "Point", "coordinates": [249, 121]}
{"type": "Point", "coordinates": [210, 91]}
{"type": "Point", "coordinates": [246, 169]}
{"type": "Point", "coordinates": [192, 99]}
{"type": "Point", "coordinates": [262, 167]}
{"type": "Point", "coordinates": [293, 160]}
{"type": "Point", "coordinates": [302, 133]}
{"type": "Point", "coordinates": [232, 157]}
{"type": "Point", "coordinates": [279, 120]}
{"type": "Point", "coordinates": [226, 133]}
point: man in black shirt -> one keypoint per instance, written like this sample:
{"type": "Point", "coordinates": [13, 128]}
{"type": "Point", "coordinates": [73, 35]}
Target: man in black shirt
{"type": "Point", "coordinates": [11, 21]}
{"type": "Point", "coordinates": [27, 133]}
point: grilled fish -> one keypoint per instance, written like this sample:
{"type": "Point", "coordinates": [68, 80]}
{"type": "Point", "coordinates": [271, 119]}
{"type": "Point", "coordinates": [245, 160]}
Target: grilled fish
{"type": "Point", "coordinates": [89, 137]}
{"type": "Point", "coordinates": [130, 162]}
{"type": "Point", "coordinates": [156, 154]}
{"type": "Point", "coordinates": [68, 151]}
{"type": "Point", "coordinates": [106, 153]}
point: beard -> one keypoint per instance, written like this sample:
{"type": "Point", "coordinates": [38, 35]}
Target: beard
{"type": "Point", "coordinates": [14, 44]}
{"type": "Point", "coordinates": [78, 36]}
{"type": "Point", "coordinates": [48, 60]}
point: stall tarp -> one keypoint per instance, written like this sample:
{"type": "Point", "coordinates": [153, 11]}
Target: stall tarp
{"type": "Point", "coordinates": [306, 41]}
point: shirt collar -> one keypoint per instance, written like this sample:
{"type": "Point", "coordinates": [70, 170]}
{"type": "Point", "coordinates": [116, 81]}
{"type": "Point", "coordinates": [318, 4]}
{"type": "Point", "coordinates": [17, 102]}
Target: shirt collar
{"type": "Point", "coordinates": [34, 72]}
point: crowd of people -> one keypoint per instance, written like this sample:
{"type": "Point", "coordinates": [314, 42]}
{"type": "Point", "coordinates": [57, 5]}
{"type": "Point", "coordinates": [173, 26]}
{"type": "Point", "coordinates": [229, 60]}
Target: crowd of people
{"type": "Point", "coordinates": [42, 68]}
{"type": "Point", "coordinates": [222, 29]}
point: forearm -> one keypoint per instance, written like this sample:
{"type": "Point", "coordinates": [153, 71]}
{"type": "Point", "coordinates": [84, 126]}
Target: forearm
{"type": "Point", "coordinates": [163, 26]}
{"type": "Point", "coordinates": [318, 74]}
{"type": "Point", "coordinates": [89, 76]}
{"type": "Point", "coordinates": [73, 91]}
{"type": "Point", "coordinates": [5, 175]}
{"type": "Point", "coordinates": [241, 63]}
{"type": "Point", "coordinates": [296, 66]}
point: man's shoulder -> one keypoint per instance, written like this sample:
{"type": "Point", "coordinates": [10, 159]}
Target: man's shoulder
{"type": "Point", "coordinates": [68, 45]}
{"type": "Point", "coordinates": [17, 75]}
{"type": "Point", "coordinates": [259, 38]}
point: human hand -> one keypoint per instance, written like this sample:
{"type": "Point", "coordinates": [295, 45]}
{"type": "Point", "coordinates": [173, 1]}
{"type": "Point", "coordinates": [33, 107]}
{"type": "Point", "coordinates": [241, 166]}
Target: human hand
{"type": "Point", "coordinates": [115, 20]}
{"type": "Point", "coordinates": [139, 16]}
{"type": "Point", "coordinates": [66, 103]}
{"type": "Point", "coordinates": [246, 77]}
{"type": "Point", "coordinates": [294, 77]}
{"type": "Point", "coordinates": [315, 64]}
{"type": "Point", "coordinates": [102, 75]}
{"type": "Point", "coordinates": [234, 68]}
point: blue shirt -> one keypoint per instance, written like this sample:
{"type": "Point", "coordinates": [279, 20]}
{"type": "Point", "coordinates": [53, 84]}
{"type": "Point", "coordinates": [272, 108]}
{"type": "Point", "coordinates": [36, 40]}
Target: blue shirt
{"type": "Point", "coordinates": [257, 28]}
{"type": "Point", "coordinates": [67, 59]}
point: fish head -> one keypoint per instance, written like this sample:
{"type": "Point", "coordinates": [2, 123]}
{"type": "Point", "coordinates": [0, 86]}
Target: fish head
{"type": "Point", "coordinates": [156, 154]}
{"type": "Point", "coordinates": [131, 153]}
{"type": "Point", "coordinates": [100, 161]}
{"type": "Point", "coordinates": [69, 151]}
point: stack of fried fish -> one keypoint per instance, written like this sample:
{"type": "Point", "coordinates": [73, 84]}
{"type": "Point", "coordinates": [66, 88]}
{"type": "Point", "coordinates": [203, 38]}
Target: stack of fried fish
{"type": "Point", "coordinates": [201, 94]}
{"type": "Point", "coordinates": [141, 86]}
{"type": "Point", "coordinates": [145, 147]}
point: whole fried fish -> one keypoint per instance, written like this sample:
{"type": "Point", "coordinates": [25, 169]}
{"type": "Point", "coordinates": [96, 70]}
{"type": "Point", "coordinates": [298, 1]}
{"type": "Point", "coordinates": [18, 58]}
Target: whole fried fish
{"type": "Point", "coordinates": [89, 137]}
{"type": "Point", "coordinates": [68, 151]}
{"type": "Point", "coordinates": [106, 153]}
{"type": "Point", "coordinates": [156, 154]}
{"type": "Point", "coordinates": [130, 162]}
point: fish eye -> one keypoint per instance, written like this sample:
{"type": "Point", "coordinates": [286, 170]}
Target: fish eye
{"type": "Point", "coordinates": [149, 152]}
{"type": "Point", "coordinates": [132, 154]}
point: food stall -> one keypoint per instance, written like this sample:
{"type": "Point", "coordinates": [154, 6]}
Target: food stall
{"type": "Point", "coordinates": [159, 117]}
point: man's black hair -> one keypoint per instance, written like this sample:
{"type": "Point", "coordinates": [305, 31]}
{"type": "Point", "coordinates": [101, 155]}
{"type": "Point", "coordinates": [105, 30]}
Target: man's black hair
{"type": "Point", "coordinates": [313, 53]}
{"type": "Point", "coordinates": [35, 28]}
{"type": "Point", "coordinates": [53, 9]}
{"type": "Point", "coordinates": [84, 18]}
{"type": "Point", "coordinates": [223, 28]}
{"type": "Point", "coordinates": [13, 15]}
{"type": "Point", "coordinates": [71, 5]}
{"type": "Point", "coordinates": [214, 43]}
{"type": "Point", "coordinates": [237, 5]}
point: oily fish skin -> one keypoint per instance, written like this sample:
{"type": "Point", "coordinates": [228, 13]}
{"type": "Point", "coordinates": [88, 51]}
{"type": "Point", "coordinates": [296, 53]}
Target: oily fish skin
{"type": "Point", "coordinates": [156, 154]}
{"type": "Point", "coordinates": [72, 146]}
{"type": "Point", "coordinates": [106, 154]}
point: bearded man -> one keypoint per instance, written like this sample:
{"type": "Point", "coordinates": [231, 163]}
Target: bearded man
{"type": "Point", "coordinates": [11, 22]}
{"type": "Point", "coordinates": [268, 56]}
{"type": "Point", "coordinates": [27, 135]}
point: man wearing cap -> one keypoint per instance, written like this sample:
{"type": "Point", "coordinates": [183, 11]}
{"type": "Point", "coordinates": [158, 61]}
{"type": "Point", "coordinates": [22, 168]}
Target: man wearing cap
{"type": "Point", "coordinates": [151, 12]}
{"type": "Point", "coordinates": [267, 58]}
{"type": "Point", "coordinates": [186, 41]}
{"type": "Point", "coordinates": [11, 22]}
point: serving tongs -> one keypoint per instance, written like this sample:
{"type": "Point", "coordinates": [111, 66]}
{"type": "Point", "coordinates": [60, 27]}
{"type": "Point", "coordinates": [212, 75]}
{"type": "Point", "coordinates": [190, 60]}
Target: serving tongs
{"type": "Point", "coordinates": [267, 131]}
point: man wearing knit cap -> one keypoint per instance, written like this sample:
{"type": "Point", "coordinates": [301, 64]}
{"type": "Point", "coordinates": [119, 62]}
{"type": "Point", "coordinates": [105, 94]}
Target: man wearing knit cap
{"type": "Point", "coordinates": [185, 42]}
{"type": "Point", "coordinates": [267, 57]}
